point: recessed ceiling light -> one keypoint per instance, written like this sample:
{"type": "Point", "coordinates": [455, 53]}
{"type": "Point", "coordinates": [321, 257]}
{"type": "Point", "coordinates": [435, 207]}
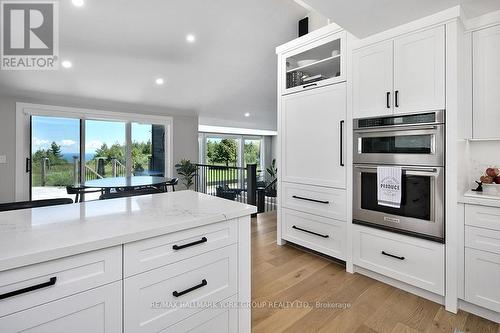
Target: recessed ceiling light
{"type": "Point", "coordinates": [247, 114]}
{"type": "Point", "coordinates": [159, 81]}
{"type": "Point", "coordinates": [67, 64]}
{"type": "Point", "coordinates": [190, 38]}
{"type": "Point", "coordinates": [78, 3]}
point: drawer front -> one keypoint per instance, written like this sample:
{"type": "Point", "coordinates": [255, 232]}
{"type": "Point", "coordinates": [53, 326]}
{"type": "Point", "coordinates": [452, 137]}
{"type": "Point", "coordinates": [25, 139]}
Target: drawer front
{"type": "Point", "coordinates": [315, 232]}
{"type": "Point", "coordinates": [159, 251]}
{"type": "Point", "coordinates": [72, 275]}
{"type": "Point", "coordinates": [149, 301]}
{"type": "Point", "coordinates": [482, 239]}
{"type": "Point", "coordinates": [219, 320]}
{"type": "Point", "coordinates": [414, 261]}
{"type": "Point", "coordinates": [316, 200]}
{"type": "Point", "coordinates": [482, 216]}
{"type": "Point", "coordinates": [482, 275]}
{"type": "Point", "coordinates": [98, 311]}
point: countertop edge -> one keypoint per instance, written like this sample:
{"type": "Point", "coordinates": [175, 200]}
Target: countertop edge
{"type": "Point", "coordinates": [58, 253]}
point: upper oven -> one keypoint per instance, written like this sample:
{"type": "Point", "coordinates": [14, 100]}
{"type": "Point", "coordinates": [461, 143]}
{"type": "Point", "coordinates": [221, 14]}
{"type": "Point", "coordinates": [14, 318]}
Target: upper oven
{"type": "Point", "coordinates": [401, 140]}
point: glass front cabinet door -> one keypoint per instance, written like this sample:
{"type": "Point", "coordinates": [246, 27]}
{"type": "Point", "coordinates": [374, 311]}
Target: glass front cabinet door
{"type": "Point", "coordinates": [318, 63]}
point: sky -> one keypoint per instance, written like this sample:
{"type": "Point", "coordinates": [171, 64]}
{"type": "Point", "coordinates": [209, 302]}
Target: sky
{"type": "Point", "coordinates": [66, 133]}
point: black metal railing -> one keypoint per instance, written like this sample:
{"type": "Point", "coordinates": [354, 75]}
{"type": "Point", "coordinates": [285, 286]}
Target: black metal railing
{"type": "Point", "coordinates": [235, 183]}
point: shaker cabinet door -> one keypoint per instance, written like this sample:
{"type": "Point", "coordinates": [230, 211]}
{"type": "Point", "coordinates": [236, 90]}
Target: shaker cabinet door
{"type": "Point", "coordinates": [98, 311]}
{"type": "Point", "coordinates": [372, 75]}
{"type": "Point", "coordinates": [419, 71]}
{"type": "Point", "coordinates": [313, 137]}
{"type": "Point", "coordinates": [486, 83]}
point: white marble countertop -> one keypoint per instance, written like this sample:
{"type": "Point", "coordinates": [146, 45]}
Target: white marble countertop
{"type": "Point", "coordinates": [479, 198]}
{"type": "Point", "coordinates": [30, 236]}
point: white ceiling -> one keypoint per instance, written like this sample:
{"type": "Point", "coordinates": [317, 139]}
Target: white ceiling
{"type": "Point", "coordinates": [119, 47]}
{"type": "Point", "coordinates": [363, 18]}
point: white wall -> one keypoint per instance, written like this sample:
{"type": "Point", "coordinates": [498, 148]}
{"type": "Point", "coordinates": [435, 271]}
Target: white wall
{"type": "Point", "coordinates": [185, 130]}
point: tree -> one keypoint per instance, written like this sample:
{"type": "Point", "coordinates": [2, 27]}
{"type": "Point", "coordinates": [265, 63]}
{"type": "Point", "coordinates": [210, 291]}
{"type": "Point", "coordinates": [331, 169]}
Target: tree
{"type": "Point", "coordinates": [55, 150]}
{"type": "Point", "coordinates": [252, 153]}
{"type": "Point", "coordinates": [226, 152]}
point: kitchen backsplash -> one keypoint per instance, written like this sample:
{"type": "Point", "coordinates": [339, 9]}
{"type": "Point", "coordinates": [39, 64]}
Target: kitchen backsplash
{"type": "Point", "coordinates": [483, 154]}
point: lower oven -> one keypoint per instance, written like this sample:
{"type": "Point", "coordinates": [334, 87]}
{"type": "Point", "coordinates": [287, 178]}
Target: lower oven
{"type": "Point", "coordinates": [421, 213]}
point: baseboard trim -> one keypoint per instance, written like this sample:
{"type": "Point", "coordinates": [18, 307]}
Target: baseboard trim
{"type": "Point", "coordinates": [400, 285]}
{"type": "Point", "coordinates": [479, 311]}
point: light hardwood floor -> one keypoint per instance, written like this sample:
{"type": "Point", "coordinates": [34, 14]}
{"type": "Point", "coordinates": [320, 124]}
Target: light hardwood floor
{"type": "Point", "coordinates": [285, 278]}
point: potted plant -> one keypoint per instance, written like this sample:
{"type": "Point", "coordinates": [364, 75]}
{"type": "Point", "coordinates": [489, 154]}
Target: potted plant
{"type": "Point", "coordinates": [187, 171]}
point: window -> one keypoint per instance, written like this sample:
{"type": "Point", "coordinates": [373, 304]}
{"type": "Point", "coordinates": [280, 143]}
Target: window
{"type": "Point", "coordinates": [232, 150]}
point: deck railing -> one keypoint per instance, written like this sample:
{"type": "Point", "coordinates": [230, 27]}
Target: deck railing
{"type": "Point", "coordinates": [236, 183]}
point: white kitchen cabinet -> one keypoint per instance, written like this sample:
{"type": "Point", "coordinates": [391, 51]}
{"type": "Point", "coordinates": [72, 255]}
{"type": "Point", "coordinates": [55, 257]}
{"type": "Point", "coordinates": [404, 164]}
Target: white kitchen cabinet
{"type": "Point", "coordinates": [401, 75]}
{"type": "Point", "coordinates": [98, 311]}
{"type": "Point", "coordinates": [419, 71]}
{"type": "Point", "coordinates": [314, 64]}
{"type": "Point", "coordinates": [313, 137]}
{"type": "Point", "coordinates": [482, 276]}
{"type": "Point", "coordinates": [372, 73]}
{"type": "Point", "coordinates": [415, 261]}
{"type": "Point", "coordinates": [486, 83]}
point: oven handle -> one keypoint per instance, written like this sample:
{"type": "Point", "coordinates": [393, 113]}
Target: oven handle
{"type": "Point", "coordinates": [411, 169]}
{"type": "Point", "coordinates": [397, 128]}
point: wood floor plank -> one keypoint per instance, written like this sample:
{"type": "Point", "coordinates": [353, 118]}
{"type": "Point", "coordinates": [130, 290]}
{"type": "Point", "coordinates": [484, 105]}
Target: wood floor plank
{"type": "Point", "coordinates": [287, 282]}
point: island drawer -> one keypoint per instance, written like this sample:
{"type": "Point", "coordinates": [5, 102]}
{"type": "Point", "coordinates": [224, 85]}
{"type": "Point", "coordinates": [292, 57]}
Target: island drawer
{"type": "Point", "coordinates": [29, 286]}
{"type": "Point", "coordinates": [415, 261]}
{"type": "Point", "coordinates": [318, 233]}
{"type": "Point", "coordinates": [482, 216]}
{"type": "Point", "coordinates": [91, 311]}
{"type": "Point", "coordinates": [323, 201]}
{"type": "Point", "coordinates": [223, 318]}
{"type": "Point", "coordinates": [482, 239]}
{"type": "Point", "coordinates": [159, 298]}
{"type": "Point", "coordinates": [163, 250]}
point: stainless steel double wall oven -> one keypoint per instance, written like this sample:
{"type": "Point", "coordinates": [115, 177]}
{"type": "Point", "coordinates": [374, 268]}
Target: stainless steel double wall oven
{"type": "Point", "coordinates": [416, 143]}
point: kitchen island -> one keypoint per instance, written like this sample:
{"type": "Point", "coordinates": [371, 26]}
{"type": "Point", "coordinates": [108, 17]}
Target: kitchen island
{"type": "Point", "coordinates": [170, 262]}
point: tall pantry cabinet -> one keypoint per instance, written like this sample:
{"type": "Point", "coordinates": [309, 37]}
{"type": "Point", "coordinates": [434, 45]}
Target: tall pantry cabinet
{"type": "Point", "coordinates": [312, 106]}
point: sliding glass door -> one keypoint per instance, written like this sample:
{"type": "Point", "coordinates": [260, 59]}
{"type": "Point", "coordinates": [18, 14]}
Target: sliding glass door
{"type": "Point", "coordinates": [67, 151]}
{"type": "Point", "coordinates": [105, 149]}
{"type": "Point", "coordinates": [55, 156]}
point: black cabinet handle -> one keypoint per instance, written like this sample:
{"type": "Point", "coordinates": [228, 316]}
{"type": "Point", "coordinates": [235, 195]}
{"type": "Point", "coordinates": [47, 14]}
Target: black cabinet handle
{"type": "Point", "coordinates": [392, 255]}
{"type": "Point", "coordinates": [310, 232]}
{"type": "Point", "coordinates": [310, 85]}
{"type": "Point", "coordinates": [198, 286]}
{"type": "Point", "coordinates": [28, 164]}
{"type": "Point", "coordinates": [396, 98]}
{"type": "Point", "coordinates": [49, 283]}
{"type": "Point", "coordinates": [312, 200]}
{"type": "Point", "coordinates": [342, 143]}
{"type": "Point", "coordinates": [388, 99]}
{"type": "Point", "coordinates": [180, 247]}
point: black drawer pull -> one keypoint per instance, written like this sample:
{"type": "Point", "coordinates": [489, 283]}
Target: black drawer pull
{"type": "Point", "coordinates": [309, 85]}
{"type": "Point", "coordinates": [180, 247]}
{"type": "Point", "coordinates": [392, 255]}
{"type": "Point", "coordinates": [198, 286]}
{"type": "Point", "coordinates": [388, 99]}
{"type": "Point", "coordinates": [312, 200]}
{"type": "Point", "coordinates": [51, 282]}
{"type": "Point", "coordinates": [310, 232]}
{"type": "Point", "coordinates": [396, 98]}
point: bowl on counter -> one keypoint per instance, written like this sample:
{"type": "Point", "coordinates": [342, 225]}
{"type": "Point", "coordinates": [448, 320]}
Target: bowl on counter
{"type": "Point", "coordinates": [491, 189]}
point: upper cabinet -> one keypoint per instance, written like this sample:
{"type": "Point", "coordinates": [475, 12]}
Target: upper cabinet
{"type": "Point", "coordinates": [403, 75]}
{"type": "Point", "coordinates": [419, 71]}
{"type": "Point", "coordinates": [314, 65]}
{"type": "Point", "coordinates": [486, 83]}
{"type": "Point", "coordinates": [372, 72]}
